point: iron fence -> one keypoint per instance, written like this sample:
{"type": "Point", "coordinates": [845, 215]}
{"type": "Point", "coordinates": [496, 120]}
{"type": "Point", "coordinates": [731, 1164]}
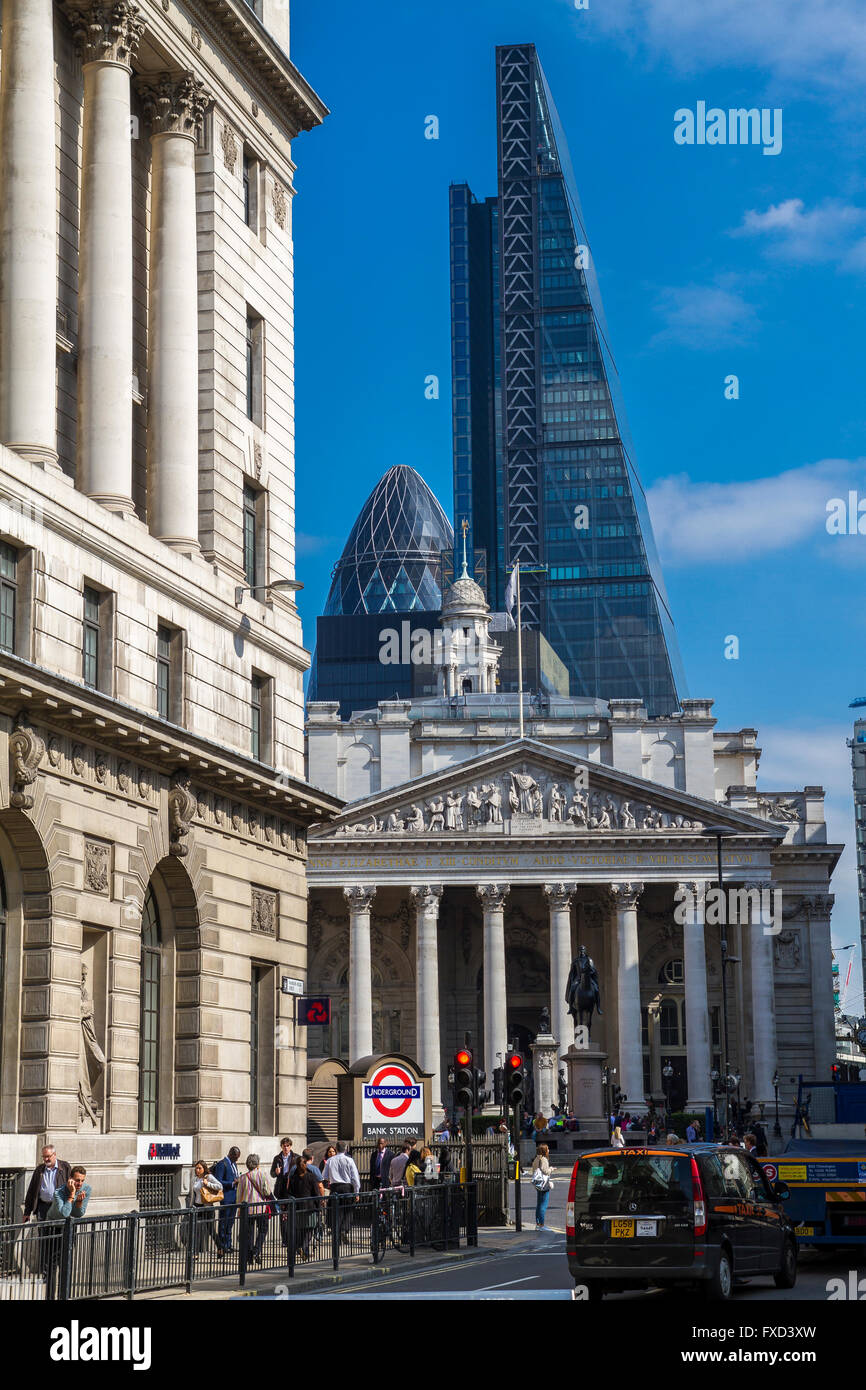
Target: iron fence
{"type": "Point", "coordinates": [489, 1170]}
{"type": "Point", "coordinates": [141, 1252]}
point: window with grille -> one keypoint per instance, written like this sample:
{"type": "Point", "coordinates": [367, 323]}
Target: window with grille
{"type": "Point", "coordinates": [151, 960]}
{"type": "Point", "coordinates": [8, 595]}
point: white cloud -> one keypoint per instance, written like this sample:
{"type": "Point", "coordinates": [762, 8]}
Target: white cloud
{"type": "Point", "coordinates": [821, 42]}
{"type": "Point", "coordinates": [703, 316]}
{"type": "Point", "coordinates": [705, 523]}
{"type": "Point", "coordinates": [831, 231]}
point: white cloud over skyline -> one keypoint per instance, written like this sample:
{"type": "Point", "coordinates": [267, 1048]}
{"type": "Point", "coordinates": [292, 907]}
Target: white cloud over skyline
{"type": "Point", "coordinates": [832, 231]}
{"type": "Point", "coordinates": [704, 317]}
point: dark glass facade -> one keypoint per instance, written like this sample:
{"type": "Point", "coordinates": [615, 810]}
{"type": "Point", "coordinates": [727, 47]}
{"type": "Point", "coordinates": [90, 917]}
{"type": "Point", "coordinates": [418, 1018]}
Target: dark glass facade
{"type": "Point", "coordinates": [540, 430]}
{"type": "Point", "coordinates": [390, 572]}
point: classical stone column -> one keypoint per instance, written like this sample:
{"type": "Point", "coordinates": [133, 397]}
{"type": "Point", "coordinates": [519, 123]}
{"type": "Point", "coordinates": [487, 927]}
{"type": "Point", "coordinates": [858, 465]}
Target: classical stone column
{"type": "Point", "coordinates": [559, 896]}
{"type": "Point", "coordinates": [360, 899]}
{"type": "Point", "coordinates": [818, 909]}
{"type": "Point", "coordinates": [174, 104]}
{"type": "Point", "coordinates": [657, 1089]}
{"type": "Point", "coordinates": [625, 896]}
{"type": "Point", "coordinates": [698, 1056]}
{"type": "Point", "coordinates": [28, 232]}
{"type": "Point", "coordinates": [493, 897]}
{"type": "Point", "coordinates": [763, 1004]}
{"type": "Point", "coordinates": [107, 37]}
{"type": "Point", "coordinates": [428, 1049]}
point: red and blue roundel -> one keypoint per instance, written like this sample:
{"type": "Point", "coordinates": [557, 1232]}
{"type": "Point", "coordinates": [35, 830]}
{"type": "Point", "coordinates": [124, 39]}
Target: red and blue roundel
{"type": "Point", "coordinates": [391, 1094]}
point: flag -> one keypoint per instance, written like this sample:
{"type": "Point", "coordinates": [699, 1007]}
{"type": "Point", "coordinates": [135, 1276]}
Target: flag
{"type": "Point", "coordinates": [511, 599]}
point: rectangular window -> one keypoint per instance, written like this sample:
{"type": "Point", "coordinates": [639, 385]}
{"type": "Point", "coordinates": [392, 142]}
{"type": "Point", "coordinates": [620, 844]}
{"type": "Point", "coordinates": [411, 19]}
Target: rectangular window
{"type": "Point", "coordinates": [255, 369]}
{"type": "Point", "coordinates": [90, 648]}
{"type": "Point", "coordinates": [163, 672]}
{"type": "Point", "coordinates": [251, 191]}
{"type": "Point", "coordinates": [258, 973]}
{"type": "Point", "coordinates": [251, 536]}
{"type": "Point", "coordinates": [261, 718]}
{"type": "Point", "coordinates": [8, 596]}
{"type": "Point", "coordinates": [263, 1020]}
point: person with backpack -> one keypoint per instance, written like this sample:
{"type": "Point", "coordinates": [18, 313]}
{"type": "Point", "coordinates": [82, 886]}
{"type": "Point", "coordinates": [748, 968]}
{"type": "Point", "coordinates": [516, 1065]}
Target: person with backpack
{"type": "Point", "coordinates": [542, 1180]}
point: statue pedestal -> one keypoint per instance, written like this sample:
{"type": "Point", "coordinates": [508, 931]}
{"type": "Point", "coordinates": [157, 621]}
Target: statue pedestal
{"type": "Point", "coordinates": [544, 1073]}
{"type": "Point", "coordinates": [586, 1091]}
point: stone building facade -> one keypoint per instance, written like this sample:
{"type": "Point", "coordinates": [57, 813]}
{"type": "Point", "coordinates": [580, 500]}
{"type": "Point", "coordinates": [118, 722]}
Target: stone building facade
{"type": "Point", "coordinates": [153, 810]}
{"type": "Point", "coordinates": [454, 891]}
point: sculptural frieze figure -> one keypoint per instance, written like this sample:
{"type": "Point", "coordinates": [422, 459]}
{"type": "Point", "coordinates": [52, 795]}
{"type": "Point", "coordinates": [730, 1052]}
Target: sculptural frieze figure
{"type": "Point", "coordinates": [91, 1059]}
{"type": "Point", "coordinates": [436, 807]}
{"type": "Point", "coordinates": [556, 804]}
{"type": "Point", "coordinates": [454, 811]}
{"type": "Point", "coordinates": [492, 796]}
{"type": "Point", "coordinates": [473, 801]}
{"type": "Point", "coordinates": [526, 790]}
{"type": "Point", "coordinates": [415, 820]}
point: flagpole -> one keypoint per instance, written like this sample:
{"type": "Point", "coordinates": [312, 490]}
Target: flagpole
{"type": "Point", "coordinates": [519, 654]}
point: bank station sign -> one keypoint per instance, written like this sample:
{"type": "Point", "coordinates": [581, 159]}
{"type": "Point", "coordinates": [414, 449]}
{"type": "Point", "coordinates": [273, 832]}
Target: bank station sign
{"type": "Point", "coordinates": [392, 1102]}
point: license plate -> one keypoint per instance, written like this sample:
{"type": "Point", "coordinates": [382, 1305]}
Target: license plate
{"type": "Point", "coordinates": [622, 1229]}
{"type": "Point", "coordinates": [805, 1230]}
{"type": "Point", "coordinates": [646, 1228]}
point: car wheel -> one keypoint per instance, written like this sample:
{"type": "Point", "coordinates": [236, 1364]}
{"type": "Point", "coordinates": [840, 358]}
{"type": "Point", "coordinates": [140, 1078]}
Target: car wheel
{"type": "Point", "coordinates": [720, 1285]}
{"type": "Point", "coordinates": [786, 1275]}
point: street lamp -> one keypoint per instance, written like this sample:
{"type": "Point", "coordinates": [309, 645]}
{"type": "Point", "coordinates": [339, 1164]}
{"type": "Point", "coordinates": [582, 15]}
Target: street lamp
{"type": "Point", "coordinates": [777, 1132]}
{"type": "Point", "coordinates": [714, 1078]}
{"type": "Point", "coordinates": [667, 1073]}
{"type": "Point", "coordinates": [279, 586]}
{"type": "Point", "coordinates": [720, 832]}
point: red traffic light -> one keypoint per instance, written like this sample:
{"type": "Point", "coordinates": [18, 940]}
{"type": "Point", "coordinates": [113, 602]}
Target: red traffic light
{"type": "Point", "coordinates": [463, 1059]}
{"type": "Point", "coordinates": [515, 1061]}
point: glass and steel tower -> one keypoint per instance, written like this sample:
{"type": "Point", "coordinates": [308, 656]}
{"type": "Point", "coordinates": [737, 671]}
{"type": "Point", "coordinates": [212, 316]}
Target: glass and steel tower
{"type": "Point", "coordinates": [544, 469]}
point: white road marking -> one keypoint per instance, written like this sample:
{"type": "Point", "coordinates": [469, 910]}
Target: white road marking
{"type": "Point", "coordinates": [525, 1280]}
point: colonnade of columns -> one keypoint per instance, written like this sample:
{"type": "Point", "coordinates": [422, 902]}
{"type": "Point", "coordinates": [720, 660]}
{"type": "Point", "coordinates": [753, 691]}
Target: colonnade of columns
{"type": "Point", "coordinates": [624, 983]}
{"type": "Point", "coordinates": [107, 37]}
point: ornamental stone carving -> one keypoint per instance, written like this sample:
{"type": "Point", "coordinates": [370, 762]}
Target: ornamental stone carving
{"type": "Point", "coordinates": [426, 896]}
{"type": "Point", "coordinates": [787, 951]}
{"type": "Point", "coordinates": [280, 204]}
{"type": "Point", "coordinates": [782, 809]}
{"type": "Point", "coordinates": [219, 810]}
{"type": "Point", "coordinates": [201, 805]}
{"type": "Point", "coordinates": [253, 821]}
{"type": "Point", "coordinates": [173, 103]}
{"type": "Point", "coordinates": [96, 866]}
{"type": "Point", "coordinates": [123, 776]}
{"type": "Point", "coordinates": [264, 912]}
{"type": "Point", "coordinates": [493, 895]}
{"type": "Point", "coordinates": [100, 766]}
{"type": "Point", "coordinates": [26, 750]}
{"type": "Point", "coordinates": [79, 759]}
{"type": "Point", "coordinates": [285, 834]}
{"type": "Point", "coordinates": [559, 895]}
{"type": "Point", "coordinates": [143, 784]}
{"type": "Point", "coordinates": [229, 148]}
{"type": "Point", "coordinates": [181, 809]}
{"type": "Point", "coordinates": [105, 33]}
{"type": "Point", "coordinates": [625, 895]}
{"type": "Point", "coordinates": [55, 750]}
{"type": "Point", "coordinates": [359, 897]}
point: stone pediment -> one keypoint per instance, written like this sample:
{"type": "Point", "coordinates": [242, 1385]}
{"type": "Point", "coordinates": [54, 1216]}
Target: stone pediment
{"type": "Point", "coordinates": [526, 789]}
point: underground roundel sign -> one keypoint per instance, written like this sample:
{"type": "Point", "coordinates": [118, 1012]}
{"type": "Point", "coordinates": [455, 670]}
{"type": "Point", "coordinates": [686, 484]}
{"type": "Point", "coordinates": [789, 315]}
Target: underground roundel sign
{"type": "Point", "coordinates": [392, 1101]}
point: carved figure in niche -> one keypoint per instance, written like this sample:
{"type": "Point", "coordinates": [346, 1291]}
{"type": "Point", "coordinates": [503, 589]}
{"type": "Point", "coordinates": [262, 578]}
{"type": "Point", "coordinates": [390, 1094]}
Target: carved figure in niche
{"type": "Point", "coordinates": [436, 807]}
{"type": "Point", "coordinates": [544, 1022]}
{"type": "Point", "coordinates": [454, 811]}
{"type": "Point", "coordinates": [612, 809]}
{"type": "Point", "coordinates": [91, 1059]}
{"type": "Point", "coordinates": [578, 810]}
{"type": "Point", "coordinates": [626, 819]}
{"type": "Point", "coordinates": [527, 789]}
{"type": "Point", "coordinates": [473, 801]}
{"type": "Point", "coordinates": [787, 950]}
{"type": "Point", "coordinates": [557, 803]}
{"type": "Point", "coordinates": [415, 820]}
{"type": "Point", "coordinates": [601, 819]}
{"type": "Point", "coordinates": [492, 803]}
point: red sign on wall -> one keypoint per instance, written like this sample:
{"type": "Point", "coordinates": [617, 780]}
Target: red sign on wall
{"type": "Point", "coordinates": [314, 1010]}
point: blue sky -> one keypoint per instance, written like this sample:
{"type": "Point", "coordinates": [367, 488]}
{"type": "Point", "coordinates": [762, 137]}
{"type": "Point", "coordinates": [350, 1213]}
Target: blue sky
{"type": "Point", "coordinates": [712, 260]}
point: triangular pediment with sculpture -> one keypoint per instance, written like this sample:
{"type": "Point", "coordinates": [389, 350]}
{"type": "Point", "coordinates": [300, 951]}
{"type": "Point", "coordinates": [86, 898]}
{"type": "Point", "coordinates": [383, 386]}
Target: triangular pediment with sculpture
{"type": "Point", "coordinates": [528, 789]}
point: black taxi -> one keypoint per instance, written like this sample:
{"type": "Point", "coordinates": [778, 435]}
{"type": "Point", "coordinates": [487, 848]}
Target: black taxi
{"type": "Point", "coordinates": [698, 1214]}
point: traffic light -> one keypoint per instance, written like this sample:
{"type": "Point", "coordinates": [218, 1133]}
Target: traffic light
{"type": "Point", "coordinates": [481, 1095]}
{"type": "Point", "coordinates": [464, 1078]}
{"type": "Point", "coordinates": [514, 1079]}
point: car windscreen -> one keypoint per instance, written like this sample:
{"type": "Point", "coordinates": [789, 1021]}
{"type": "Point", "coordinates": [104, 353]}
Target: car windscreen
{"type": "Point", "coordinates": [618, 1182]}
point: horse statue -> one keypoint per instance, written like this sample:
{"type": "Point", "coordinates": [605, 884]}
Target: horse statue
{"type": "Point", "coordinates": [582, 994]}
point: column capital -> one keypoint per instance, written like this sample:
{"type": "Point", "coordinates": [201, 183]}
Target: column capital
{"type": "Point", "coordinates": [493, 895]}
{"type": "Point", "coordinates": [625, 895]}
{"type": "Point", "coordinates": [105, 33]}
{"type": "Point", "coordinates": [559, 895]}
{"type": "Point", "coordinates": [174, 102]}
{"type": "Point", "coordinates": [359, 896]}
{"type": "Point", "coordinates": [426, 896]}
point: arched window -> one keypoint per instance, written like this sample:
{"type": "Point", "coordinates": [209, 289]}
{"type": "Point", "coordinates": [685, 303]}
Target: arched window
{"type": "Point", "coordinates": [151, 961]}
{"type": "Point", "coordinates": [672, 973]}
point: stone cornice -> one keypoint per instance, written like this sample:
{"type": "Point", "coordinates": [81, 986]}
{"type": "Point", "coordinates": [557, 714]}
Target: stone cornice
{"type": "Point", "coordinates": [66, 706]}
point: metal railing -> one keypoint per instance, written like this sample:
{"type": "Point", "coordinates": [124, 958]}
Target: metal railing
{"type": "Point", "coordinates": [141, 1252]}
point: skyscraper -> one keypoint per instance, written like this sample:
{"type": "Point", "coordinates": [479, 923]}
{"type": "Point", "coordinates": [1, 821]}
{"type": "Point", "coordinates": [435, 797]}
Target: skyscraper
{"type": "Point", "coordinates": [544, 469]}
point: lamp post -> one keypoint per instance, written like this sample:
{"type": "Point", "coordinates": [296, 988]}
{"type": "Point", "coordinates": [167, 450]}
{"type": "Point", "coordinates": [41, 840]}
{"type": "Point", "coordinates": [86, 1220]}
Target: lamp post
{"type": "Point", "coordinates": [667, 1073]}
{"type": "Point", "coordinates": [777, 1132]}
{"type": "Point", "coordinates": [714, 1078]}
{"type": "Point", "coordinates": [279, 586]}
{"type": "Point", "coordinates": [720, 832]}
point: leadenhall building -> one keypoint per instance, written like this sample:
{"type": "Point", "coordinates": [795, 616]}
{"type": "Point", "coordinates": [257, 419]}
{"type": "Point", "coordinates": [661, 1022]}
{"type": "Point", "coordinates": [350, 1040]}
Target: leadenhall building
{"type": "Point", "coordinates": [153, 812]}
{"type": "Point", "coordinates": [470, 865]}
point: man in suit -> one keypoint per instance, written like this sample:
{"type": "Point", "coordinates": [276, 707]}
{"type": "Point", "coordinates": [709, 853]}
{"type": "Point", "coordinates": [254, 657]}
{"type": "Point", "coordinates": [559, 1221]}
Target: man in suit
{"type": "Point", "coordinates": [227, 1173]}
{"type": "Point", "coordinates": [281, 1168]}
{"type": "Point", "coordinates": [380, 1164]}
{"type": "Point", "coordinates": [51, 1173]}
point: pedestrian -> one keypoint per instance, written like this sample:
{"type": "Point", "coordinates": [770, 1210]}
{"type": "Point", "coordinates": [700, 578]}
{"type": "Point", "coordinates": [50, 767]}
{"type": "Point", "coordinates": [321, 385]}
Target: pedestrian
{"type": "Point", "coordinates": [227, 1174]}
{"type": "Point", "coordinates": [539, 1124]}
{"type": "Point", "coordinates": [380, 1162]}
{"type": "Point", "coordinates": [414, 1168]}
{"type": "Point", "coordinates": [750, 1144]}
{"type": "Point", "coordinates": [255, 1189]}
{"type": "Point", "coordinates": [673, 1140]}
{"type": "Point", "coordinates": [281, 1168]}
{"type": "Point", "coordinates": [313, 1167]}
{"type": "Point", "coordinates": [397, 1170]}
{"type": "Point", "coordinates": [51, 1173]}
{"type": "Point", "coordinates": [428, 1165]}
{"type": "Point", "coordinates": [693, 1131]}
{"type": "Point", "coordinates": [446, 1168]}
{"type": "Point", "coordinates": [542, 1181]}
{"type": "Point", "coordinates": [305, 1188]}
{"type": "Point", "coordinates": [71, 1199]}
{"type": "Point", "coordinates": [203, 1205]}
{"type": "Point", "coordinates": [616, 1139]}
{"type": "Point", "coordinates": [342, 1177]}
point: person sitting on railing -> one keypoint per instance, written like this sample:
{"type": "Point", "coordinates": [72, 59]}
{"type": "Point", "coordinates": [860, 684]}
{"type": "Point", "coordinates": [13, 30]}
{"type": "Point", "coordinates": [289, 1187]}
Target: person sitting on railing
{"type": "Point", "coordinates": [71, 1199]}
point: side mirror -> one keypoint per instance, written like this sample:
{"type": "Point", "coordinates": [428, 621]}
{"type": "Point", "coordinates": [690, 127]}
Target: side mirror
{"type": "Point", "coordinates": [781, 1191]}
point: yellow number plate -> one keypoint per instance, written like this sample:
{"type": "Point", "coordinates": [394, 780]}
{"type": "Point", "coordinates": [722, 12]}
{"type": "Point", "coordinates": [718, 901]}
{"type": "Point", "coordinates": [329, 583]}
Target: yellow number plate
{"type": "Point", "coordinates": [622, 1228]}
{"type": "Point", "coordinates": [805, 1230]}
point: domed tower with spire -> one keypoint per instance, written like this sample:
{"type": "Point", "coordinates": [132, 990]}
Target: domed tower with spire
{"type": "Point", "coordinates": [468, 660]}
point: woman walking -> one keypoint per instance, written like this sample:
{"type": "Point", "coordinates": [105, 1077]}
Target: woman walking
{"type": "Point", "coordinates": [204, 1207]}
{"type": "Point", "coordinates": [542, 1181]}
{"type": "Point", "coordinates": [304, 1187]}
